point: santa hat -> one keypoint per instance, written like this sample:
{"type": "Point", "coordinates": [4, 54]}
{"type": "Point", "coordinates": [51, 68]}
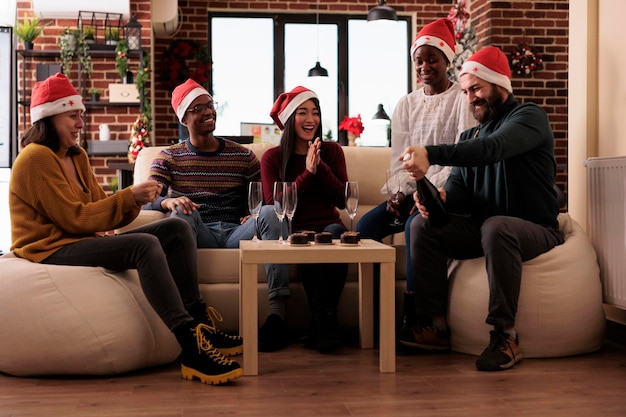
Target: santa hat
{"type": "Point", "coordinates": [287, 103]}
{"type": "Point", "coordinates": [439, 34]}
{"type": "Point", "coordinates": [184, 95]}
{"type": "Point", "coordinates": [491, 65]}
{"type": "Point", "coordinates": [54, 95]}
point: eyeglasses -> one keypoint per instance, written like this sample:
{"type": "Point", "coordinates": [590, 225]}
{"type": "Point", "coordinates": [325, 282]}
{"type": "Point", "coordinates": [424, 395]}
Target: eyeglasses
{"type": "Point", "coordinates": [200, 108]}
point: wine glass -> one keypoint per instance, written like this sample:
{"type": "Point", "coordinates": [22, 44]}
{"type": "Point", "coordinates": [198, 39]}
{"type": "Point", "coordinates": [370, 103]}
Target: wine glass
{"type": "Point", "coordinates": [393, 191]}
{"type": "Point", "coordinates": [279, 206]}
{"type": "Point", "coordinates": [352, 200]}
{"type": "Point", "coordinates": [255, 201]}
{"type": "Point", "coordinates": [291, 202]}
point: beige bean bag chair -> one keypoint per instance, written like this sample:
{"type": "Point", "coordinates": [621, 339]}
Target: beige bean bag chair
{"type": "Point", "coordinates": [77, 320]}
{"type": "Point", "coordinates": [560, 306]}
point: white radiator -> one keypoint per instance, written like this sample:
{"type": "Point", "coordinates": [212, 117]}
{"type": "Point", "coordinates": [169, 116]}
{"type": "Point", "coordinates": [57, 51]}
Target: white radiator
{"type": "Point", "coordinates": [606, 184]}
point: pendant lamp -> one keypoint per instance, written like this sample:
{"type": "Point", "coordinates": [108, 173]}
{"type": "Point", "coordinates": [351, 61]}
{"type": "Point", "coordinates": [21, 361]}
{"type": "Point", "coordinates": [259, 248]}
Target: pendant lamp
{"type": "Point", "coordinates": [382, 12]}
{"type": "Point", "coordinates": [381, 114]}
{"type": "Point", "coordinates": [318, 70]}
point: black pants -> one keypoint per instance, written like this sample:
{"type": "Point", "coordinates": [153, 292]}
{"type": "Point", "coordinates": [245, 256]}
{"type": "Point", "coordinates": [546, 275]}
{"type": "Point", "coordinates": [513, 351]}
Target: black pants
{"type": "Point", "coordinates": [505, 242]}
{"type": "Point", "coordinates": [164, 254]}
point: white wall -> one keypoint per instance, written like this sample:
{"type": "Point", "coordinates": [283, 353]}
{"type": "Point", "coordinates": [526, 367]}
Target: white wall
{"type": "Point", "coordinates": [5, 223]}
{"type": "Point", "coordinates": [597, 92]}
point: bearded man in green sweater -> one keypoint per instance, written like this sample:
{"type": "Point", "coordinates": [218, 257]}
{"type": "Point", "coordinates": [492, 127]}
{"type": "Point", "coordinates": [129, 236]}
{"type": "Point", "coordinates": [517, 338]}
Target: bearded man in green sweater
{"type": "Point", "coordinates": [502, 203]}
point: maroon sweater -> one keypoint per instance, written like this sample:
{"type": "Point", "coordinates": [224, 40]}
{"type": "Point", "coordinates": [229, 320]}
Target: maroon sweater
{"type": "Point", "coordinates": [318, 194]}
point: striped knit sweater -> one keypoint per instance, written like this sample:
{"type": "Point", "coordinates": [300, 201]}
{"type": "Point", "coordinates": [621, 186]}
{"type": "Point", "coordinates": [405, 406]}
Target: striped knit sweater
{"type": "Point", "coordinates": [217, 181]}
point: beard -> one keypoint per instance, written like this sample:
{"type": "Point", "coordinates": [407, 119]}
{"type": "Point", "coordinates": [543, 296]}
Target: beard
{"type": "Point", "coordinates": [485, 109]}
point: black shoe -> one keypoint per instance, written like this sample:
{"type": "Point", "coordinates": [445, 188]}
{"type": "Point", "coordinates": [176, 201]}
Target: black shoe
{"type": "Point", "coordinates": [200, 360]}
{"type": "Point", "coordinates": [227, 344]}
{"type": "Point", "coordinates": [273, 335]}
{"type": "Point", "coordinates": [502, 353]}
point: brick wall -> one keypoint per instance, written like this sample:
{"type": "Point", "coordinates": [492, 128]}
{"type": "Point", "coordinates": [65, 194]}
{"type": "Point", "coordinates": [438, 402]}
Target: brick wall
{"type": "Point", "coordinates": [542, 24]}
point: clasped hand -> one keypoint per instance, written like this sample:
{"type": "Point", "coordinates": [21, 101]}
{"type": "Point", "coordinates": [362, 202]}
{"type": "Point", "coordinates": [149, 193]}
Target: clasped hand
{"type": "Point", "coordinates": [313, 155]}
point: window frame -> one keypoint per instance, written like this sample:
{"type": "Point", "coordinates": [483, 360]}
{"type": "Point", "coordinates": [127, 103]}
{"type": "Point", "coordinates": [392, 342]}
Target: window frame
{"type": "Point", "coordinates": [281, 19]}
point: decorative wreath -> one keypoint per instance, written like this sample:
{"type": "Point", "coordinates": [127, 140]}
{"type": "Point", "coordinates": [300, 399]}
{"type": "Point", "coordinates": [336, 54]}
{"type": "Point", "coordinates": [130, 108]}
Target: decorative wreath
{"type": "Point", "coordinates": [524, 60]}
{"type": "Point", "coordinates": [183, 59]}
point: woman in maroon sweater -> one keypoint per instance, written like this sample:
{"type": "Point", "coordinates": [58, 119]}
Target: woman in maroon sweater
{"type": "Point", "coordinates": [319, 170]}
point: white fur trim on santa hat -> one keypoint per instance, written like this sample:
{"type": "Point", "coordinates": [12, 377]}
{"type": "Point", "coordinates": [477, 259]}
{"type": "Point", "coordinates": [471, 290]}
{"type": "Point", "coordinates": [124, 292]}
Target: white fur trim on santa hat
{"type": "Point", "coordinates": [436, 43]}
{"type": "Point", "coordinates": [69, 103]}
{"type": "Point", "coordinates": [294, 104]}
{"type": "Point", "coordinates": [489, 75]}
{"type": "Point", "coordinates": [186, 102]}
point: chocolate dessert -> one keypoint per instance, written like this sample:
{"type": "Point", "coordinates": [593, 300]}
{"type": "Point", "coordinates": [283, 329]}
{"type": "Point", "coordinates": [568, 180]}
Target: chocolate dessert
{"type": "Point", "coordinates": [351, 238]}
{"type": "Point", "coordinates": [299, 239]}
{"type": "Point", "coordinates": [323, 237]}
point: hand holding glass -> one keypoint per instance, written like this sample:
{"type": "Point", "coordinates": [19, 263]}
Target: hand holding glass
{"type": "Point", "coordinates": [352, 200]}
{"type": "Point", "coordinates": [393, 192]}
{"type": "Point", "coordinates": [255, 201]}
{"type": "Point", "coordinates": [279, 206]}
{"type": "Point", "coordinates": [291, 202]}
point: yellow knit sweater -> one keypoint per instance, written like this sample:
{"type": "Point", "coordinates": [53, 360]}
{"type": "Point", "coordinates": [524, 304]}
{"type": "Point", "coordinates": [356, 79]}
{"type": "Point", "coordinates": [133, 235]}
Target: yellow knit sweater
{"type": "Point", "coordinates": [49, 210]}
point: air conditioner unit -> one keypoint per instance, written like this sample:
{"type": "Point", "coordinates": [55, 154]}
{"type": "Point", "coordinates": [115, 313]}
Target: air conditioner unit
{"type": "Point", "coordinates": [68, 9]}
{"type": "Point", "coordinates": [164, 17]}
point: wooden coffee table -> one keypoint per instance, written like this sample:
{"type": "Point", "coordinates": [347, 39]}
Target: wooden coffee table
{"type": "Point", "coordinates": [368, 252]}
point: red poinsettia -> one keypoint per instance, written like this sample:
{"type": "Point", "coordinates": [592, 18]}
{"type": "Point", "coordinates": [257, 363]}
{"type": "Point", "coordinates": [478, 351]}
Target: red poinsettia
{"type": "Point", "coordinates": [352, 125]}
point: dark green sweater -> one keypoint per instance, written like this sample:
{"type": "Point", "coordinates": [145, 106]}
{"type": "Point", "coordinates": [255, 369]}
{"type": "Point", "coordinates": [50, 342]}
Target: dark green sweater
{"type": "Point", "coordinates": [503, 167]}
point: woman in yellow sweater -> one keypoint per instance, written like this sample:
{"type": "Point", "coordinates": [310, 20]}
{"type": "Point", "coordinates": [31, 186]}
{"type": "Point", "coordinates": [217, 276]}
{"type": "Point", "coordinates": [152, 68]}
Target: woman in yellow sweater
{"type": "Point", "coordinates": [58, 209]}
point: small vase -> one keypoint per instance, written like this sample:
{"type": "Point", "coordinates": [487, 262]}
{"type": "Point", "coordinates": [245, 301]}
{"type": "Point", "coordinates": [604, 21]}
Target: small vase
{"type": "Point", "coordinates": [28, 46]}
{"type": "Point", "coordinates": [351, 139]}
{"type": "Point", "coordinates": [129, 78]}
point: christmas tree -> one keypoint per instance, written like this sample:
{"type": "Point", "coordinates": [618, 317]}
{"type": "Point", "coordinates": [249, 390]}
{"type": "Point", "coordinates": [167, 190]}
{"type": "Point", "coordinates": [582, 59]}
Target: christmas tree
{"type": "Point", "coordinates": [465, 37]}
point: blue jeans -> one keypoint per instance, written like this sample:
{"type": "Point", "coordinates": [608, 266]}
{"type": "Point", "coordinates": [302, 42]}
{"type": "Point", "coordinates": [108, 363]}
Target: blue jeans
{"type": "Point", "coordinates": [228, 235]}
{"type": "Point", "coordinates": [377, 224]}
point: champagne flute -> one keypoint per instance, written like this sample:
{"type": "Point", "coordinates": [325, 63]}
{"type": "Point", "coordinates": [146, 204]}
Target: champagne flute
{"type": "Point", "coordinates": [352, 200]}
{"type": "Point", "coordinates": [255, 201]}
{"type": "Point", "coordinates": [393, 191]}
{"type": "Point", "coordinates": [279, 206]}
{"type": "Point", "coordinates": [291, 202]}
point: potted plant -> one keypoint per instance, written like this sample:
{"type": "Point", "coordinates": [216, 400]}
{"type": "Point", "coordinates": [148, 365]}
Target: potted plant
{"type": "Point", "coordinates": [73, 45]}
{"type": "Point", "coordinates": [111, 36]}
{"type": "Point", "coordinates": [90, 34]}
{"type": "Point", "coordinates": [95, 93]}
{"type": "Point", "coordinates": [29, 30]}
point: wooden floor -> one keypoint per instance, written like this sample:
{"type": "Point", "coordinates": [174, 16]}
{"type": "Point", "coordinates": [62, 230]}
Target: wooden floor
{"type": "Point", "coordinates": [300, 382]}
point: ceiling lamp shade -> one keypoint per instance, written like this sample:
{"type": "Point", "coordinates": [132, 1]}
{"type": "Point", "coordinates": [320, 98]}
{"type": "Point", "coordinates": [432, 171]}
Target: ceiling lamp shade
{"type": "Point", "coordinates": [381, 114]}
{"type": "Point", "coordinates": [382, 12]}
{"type": "Point", "coordinates": [318, 71]}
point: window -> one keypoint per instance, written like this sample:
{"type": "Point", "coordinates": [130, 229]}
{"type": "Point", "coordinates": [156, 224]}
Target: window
{"type": "Point", "coordinates": [367, 66]}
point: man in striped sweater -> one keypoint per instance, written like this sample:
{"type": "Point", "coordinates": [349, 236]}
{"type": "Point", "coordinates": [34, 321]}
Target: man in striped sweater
{"type": "Point", "coordinates": [205, 181]}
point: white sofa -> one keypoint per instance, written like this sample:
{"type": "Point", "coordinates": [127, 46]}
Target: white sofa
{"type": "Point", "coordinates": [78, 320]}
